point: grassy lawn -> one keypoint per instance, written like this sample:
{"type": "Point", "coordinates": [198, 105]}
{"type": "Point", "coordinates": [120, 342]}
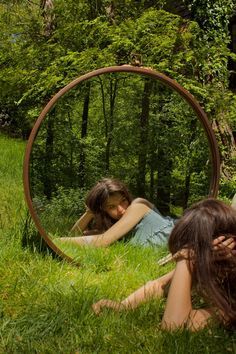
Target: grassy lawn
{"type": "Point", "coordinates": [45, 303]}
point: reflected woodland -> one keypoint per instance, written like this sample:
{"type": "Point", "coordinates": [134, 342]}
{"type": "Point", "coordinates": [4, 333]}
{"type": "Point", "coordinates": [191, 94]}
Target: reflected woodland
{"type": "Point", "coordinates": [123, 125]}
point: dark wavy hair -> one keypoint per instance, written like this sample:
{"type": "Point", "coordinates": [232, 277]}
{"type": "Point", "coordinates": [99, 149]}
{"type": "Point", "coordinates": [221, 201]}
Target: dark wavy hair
{"type": "Point", "coordinates": [98, 196]}
{"type": "Point", "coordinates": [214, 275]}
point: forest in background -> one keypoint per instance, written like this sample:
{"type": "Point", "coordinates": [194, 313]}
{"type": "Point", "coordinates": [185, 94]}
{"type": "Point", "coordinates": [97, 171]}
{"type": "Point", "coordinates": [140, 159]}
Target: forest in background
{"type": "Point", "coordinates": [46, 44]}
{"type": "Point", "coordinates": [46, 304]}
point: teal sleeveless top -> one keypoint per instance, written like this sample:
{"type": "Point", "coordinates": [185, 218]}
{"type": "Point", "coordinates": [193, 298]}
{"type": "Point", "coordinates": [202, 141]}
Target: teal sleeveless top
{"type": "Point", "coordinates": [153, 229]}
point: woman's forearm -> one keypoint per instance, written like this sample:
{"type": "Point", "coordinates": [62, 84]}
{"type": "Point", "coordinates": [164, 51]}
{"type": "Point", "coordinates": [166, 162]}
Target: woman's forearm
{"type": "Point", "coordinates": [152, 289]}
{"type": "Point", "coordinates": [131, 217]}
{"type": "Point", "coordinates": [89, 240]}
{"type": "Point", "coordinates": [179, 305]}
{"type": "Point", "coordinates": [83, 221]}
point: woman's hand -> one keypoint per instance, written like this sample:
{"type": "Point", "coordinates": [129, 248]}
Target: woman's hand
{"type": "Point", "coordinates": [151, 290]}
{"type": "Point", "coordinates": [221, 242]}
{"type": "Point", "coordinates": [105, 303]}
{"type": "Point", "coordinates": [184, 253]}
{"type": "Point", "coordinates": [224, 247]}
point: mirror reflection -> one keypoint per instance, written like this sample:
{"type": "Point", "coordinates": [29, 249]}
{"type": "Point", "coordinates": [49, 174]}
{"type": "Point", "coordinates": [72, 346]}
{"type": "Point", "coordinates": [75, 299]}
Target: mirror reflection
{"type": "Point", "coordinates": [124, 126]}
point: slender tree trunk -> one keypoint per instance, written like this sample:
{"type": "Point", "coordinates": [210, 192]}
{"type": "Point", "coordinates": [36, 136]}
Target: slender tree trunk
{"type": "Point", "coordinates": [84, 134]}
{"type": "Point", "coordinates": [109, 123]}
{"type": "Point", "coordinates": [104, 107]}
{"type": "Point", "coordinates": [227, 140]}
{"type": "Point", "coordinates": [164, 178]}
{"type": "Point", "coordinates": [186, 190]}
{"type": "Point", "coordinates": [192, 136]}
{"type": "Point", "coordinates": [95, 8]}
{"type": "Point", "coordinates": [144, 125]}
{"type": "Point", "coordinates": [153, 176]}
{"type": "Point", "coordinates": [110, 12]}
{"type": "Point", "coordinates": [113, 92]}
{"type": "Point", "coordinates": [47, 8]}
{"type": "Point", "coordinates": [47, 175]}
{"type": "Point", "coordinates": [71, 153]}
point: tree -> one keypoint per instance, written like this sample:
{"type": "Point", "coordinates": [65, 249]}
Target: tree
{"type": "Point", "coordinates": [214, 19]}
{"type": "Point", "coordinates": [47, 10]}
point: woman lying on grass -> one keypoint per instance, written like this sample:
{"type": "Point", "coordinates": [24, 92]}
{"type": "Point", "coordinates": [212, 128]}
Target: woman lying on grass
{"type": "Point", "coordinates": [203, 244]}
{"type": "Point", "coordinates": [112, 211]}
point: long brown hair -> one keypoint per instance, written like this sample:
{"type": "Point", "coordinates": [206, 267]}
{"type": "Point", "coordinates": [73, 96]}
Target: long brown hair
{"type": "Point", "coordinates": [214, 276]}
{"type": "Point", "coordinates": [98, 196]}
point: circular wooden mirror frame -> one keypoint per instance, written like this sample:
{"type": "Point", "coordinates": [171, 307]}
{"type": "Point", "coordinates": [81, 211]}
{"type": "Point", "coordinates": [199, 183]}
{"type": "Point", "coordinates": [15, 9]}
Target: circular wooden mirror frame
{"type": "Point", "coordinates": [214, 185]}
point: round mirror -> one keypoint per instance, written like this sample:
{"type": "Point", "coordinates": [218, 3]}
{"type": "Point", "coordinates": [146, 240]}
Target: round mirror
{"type": "Point", "coordinates": [131, 123]}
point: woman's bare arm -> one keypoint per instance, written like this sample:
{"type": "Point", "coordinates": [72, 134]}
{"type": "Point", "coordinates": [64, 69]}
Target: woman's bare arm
{"type": "Point", "coordinates": [143, 201]}
{"type": "Point", "coordinates": [179, 305]}
{"type": "Point", "coordinates": [132, 216]}
{"type": "Point", "coordinates": [179, 312]}
{"type": "Point", "coordinates": [226, 246]}
{"type": "Point", "coordinates": [83, 222]}
{"type": "Point", "coordinates": [152, 289]}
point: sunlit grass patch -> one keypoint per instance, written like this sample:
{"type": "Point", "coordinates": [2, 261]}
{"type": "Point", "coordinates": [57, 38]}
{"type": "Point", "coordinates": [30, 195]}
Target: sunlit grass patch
{"type": "Point", "coordinates": [11, 190]}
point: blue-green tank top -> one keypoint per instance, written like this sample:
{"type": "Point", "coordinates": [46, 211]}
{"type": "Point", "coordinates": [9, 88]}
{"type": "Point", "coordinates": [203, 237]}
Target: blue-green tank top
{"type": "Point", "coordinates": [153, 229]}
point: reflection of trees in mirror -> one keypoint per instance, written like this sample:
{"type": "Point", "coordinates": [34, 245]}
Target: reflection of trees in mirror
{"type": "Point", "coordinates": [123, 125]}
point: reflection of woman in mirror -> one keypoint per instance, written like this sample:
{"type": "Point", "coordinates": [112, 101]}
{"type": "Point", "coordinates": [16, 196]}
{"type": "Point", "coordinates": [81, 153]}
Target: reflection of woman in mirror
{"type": "Point", "coordinates": [115, 215]}
{"type": "Point", "coordinates": [203, 243]}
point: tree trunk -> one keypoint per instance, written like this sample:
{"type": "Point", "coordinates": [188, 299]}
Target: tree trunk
{"type": "Point", "coordinates": [143, 141]}
{"type": "Point", "coordinates": [47, 175]}
{"type": "Point", "coordinates": [153, 176]}
{"type": "Point", "coordinates": [227, 141]}
{"type": "Point", "coordinates": [108, 123]}
{"type": "Point", "coordinates": [110, 12]}
{"type": "Point", "coordinates": [189, 170]}
{"type": "Point", "coordinates": [113, 92]}
{"type": "Point", "coordinates": [47, 8]}
{"type": "Point", "coordinates": [164, 178]}
{"type": "Point", "coordinates": [84, 134]}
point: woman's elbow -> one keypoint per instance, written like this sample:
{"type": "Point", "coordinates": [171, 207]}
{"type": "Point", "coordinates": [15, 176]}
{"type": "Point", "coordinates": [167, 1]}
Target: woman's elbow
{"type": "Point", "coordinates": [172, 325]}
{"type": "Point", "coordinates": [196, 320]}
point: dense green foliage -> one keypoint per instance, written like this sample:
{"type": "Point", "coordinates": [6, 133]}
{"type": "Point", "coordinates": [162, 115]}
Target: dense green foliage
{"type": "Point", "coordinates": [46, 304]}
{"type": "Point", "coordinates": [85, 37]}
{"type": "Point", "coordinates": [212, 15]}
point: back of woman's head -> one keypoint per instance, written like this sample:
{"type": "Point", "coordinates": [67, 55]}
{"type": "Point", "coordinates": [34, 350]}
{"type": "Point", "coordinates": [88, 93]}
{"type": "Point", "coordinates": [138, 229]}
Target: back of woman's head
{"type": "Point", "coordinates": [215, 276]}
{"type": "Point", "coordinates": [100, 193]}
{"type": "Point", "coordinates": [201, 223]}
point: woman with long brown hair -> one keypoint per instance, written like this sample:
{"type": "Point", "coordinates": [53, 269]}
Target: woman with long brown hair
{"type": "Point", "coordinates": [203, 244]}
{"type": "Point", "coordinates": [115, 215]}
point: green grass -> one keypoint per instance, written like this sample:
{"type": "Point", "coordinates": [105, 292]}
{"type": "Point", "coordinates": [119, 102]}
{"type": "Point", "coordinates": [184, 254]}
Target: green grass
{"type": "Point", "coordinates": [45, 303]}
{"type": "Point", "coordinates": [11, 194]}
